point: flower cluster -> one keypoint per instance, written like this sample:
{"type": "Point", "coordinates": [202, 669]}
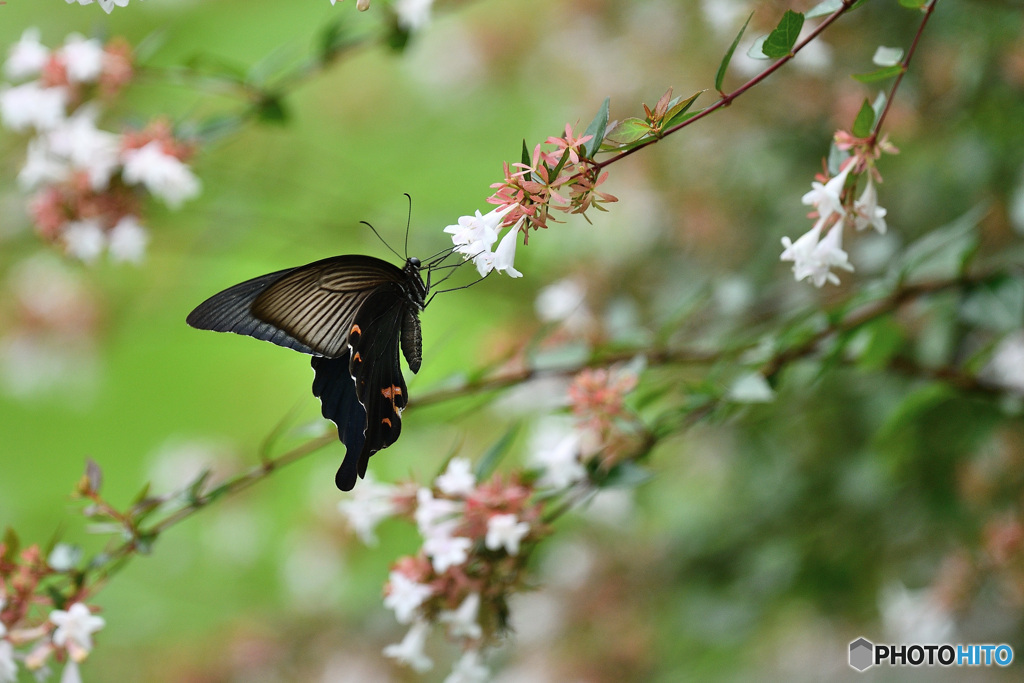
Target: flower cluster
{"type": "Point", "coordinates": [476, 537]}
{"type": "Point", "coordinates": [88, 183]}
{"type": "Point", "coordinates": [563, 178]}
{"type": "Point", "coordinates": [596, 397]}
{"type": "Point", "coordinates": [65, 634]}
{"type": "Point", "coordinates": [814, 256]}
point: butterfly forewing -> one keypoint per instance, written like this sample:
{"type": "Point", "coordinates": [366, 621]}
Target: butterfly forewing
{"type": "Point", "coordinates": [316, 304]}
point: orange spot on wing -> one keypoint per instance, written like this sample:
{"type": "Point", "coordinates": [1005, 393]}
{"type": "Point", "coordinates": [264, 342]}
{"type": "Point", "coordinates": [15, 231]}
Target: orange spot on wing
{"type": "Point", "coordinates": [357, 358]}
{"type": "Point", "coordinates": [386, 421]}
{"type": "Point", "coordinates": [355, 330]}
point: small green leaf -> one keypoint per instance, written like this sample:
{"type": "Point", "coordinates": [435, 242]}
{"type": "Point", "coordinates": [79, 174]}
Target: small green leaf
{"type": "Point", "coordinates": [720, 76]}
{"type": "Point", "coordinates": [195, 489]}
{"type": "Point", "coordinates": [879, 343]}
{"type": "Point", "coordinates": [495, 453]}
{"type": "Point", "coordinates": [597, 128]}
{"type": "Point", "coordinates": [836, 157]}
{"type": "Point", "coordinates": [879, 74]}
{"type": "Point", "coordinates": [676, 112]}
{"type": "Point", "coordinates": [11, 545]}
{"type": "Point", "coordinates": [943, 252]}
{"type": "Point", "coordinates": [526, 154]}
{"type": "Point", "coordinates": [271, 109]}
{"type": "Point", "coordinates": [887, 56]}
{"type": "Point", "coordinates": [756, 50]}
{"type": "Point", "coordinates": [864, 121]}
{"type": "Point", "coordinates": [626, 474]}
{"type": "Point", "coordinates": [879, 104]}
{"type": "Point", "coordinates": [997, 305]}
{"type": "Point", "coordinates": [824, 8]}
{"type": "Point", "coordinates": [629, 130]}
{"type": "Point", "coordinates": [780, 42]}
{"type": "Point", "coordinates": [331, 40]}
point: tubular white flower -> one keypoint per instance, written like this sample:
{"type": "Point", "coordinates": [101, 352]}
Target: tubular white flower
{"type": "Point", "coordinates": [505, 531]}
{"type": "Point", "coordinates": [370, 503]}
{"type": "Point", "coordinates": [8, 667]}
{"type": "Point", "coordinates": [867, 211]}
{"type": "Point", "coordinates": [505, 254]}
{"type": "Point", "coordinates": [88, 148]}
{"type": "Point", "coordinates": [413, 14]}
{"type": "Point", "coordinates": [446, 550]}
{"type": "Point", "coordinates": [128, 240]}
{"type": "Point", "coordinates": [405, 596]}
{"type": "Point", "coordinates": [85, 239]}
{"type": "Point", "coordinates": [162, 174]}
{"type": "Point", "coordinates": [458, 479]}
{"type": "Point", "coordinates": [83, 58]}
{"type": "Point", "coordinates": [469, 669]}
{"type": "Point", "coordinates": [827, 198]}
{"type": "Point", "coordinates": [27, 57]}
{"type": "Point", "coordinates": [434, 512]}
{"type": "Point", "coordinates": [30, 105]}
{"type": "Point", "coordinates": [463, 620]}
{"type": "Point", "coordinates": [410, 650]}
{"type": "Point", "coordinates": [556, 450]}
{"type": "Point", "coordinates": [41, 167]}
{"type": "Point", "coordinates": [75, 627]}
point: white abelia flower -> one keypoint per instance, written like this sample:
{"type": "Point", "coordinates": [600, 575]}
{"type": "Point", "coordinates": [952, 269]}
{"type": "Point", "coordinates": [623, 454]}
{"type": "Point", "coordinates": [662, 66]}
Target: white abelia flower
{"type": "Point", "coordinates": [751, 388]}
{"type": "Point", "coordinates": [1006, 366]}
{"type": "Point", "coordinates": [867, 211]}
{"type": "Point", "coordinates": [88, 148]}
{"type": "Point", "coordinates": [27, 57]}
{"type": "Point", "coordinates": [827, 198]}
{"type": "Point", "coordinates": [107, 5]}
{"type": "Point", "coordinates": [128, 240]}
{"type": "Point", "coordinates": [42, 166]}
{"type": "Point", "coordinates": [75, 627]}
{"type": "Point", "coordinates": [370, 504]}
{"type": "Point", "coordinates": [413, 14]}
{"type": "Point", "coordinates": [8, 667]}
{"type": "Point", "coordinates": [505, 531]}
{"type": "Point", "coordinates": [432, 513]}
{"type": "Point", "coordinates": [30, 105]}
{"type": "Point", "coordinates": [405, 596]}
{"type": "Point", "coordinates": [71, 674]}
{"type": "Point", "coordinates": [163, 174]}
{"type": "Point", "coordinates": [410, 650]}
{"type": "Point", "coordinates": [556, 451]}
{"type": "Point", "coordinates": [458, 479]}
{"type": "Point", "coordinates": [814, 259]}
{"type": "Point", "coordinates": [474, 236]}
{"type": "Point", "coordinates": [446, 549]}
{"type": "Point", "coordinates": [85, 239]}
{"type": "Point", "coordinates": [469, 669]}
{"type": "Point", "coordinates": [560, 300]}
{"type": "Point", "coordinates": [462, 621]}
{"type": "Point", "coordinates": [505, 254]}
{"type": "Point", "coordinates": [83, 58]}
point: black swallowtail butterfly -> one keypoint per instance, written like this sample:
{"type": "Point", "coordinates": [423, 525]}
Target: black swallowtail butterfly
{"type": "Point", "coordinates": [349, 313]}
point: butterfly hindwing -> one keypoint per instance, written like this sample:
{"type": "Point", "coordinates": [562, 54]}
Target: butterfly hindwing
{"type": "Point", "coordinates": [334, 386]}
{"type": "Point", "coordinates": [379, 385]}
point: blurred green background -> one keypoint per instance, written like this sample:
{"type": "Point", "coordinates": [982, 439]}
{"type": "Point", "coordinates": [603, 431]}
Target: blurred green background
{"type": "Point", "coordinates": [766, 542]}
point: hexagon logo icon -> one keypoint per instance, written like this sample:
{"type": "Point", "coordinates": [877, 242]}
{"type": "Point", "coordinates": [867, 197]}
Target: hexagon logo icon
{"type": "Point", "coordinates": [861, 651]}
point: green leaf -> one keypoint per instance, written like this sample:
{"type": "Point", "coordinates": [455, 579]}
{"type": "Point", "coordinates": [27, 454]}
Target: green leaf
{"type": "Point", "coordinates": [629, 130]}
{"type": "Point", "coordinates": [944, 252]}
{"type": "Point", "coordinates": [887, 56]}
{"type": "Point", "coordinates": [997, 305]}
{"type": "Point", "coordinates": [879, 74]}
{"type": "Point", "coordinates": [864, 121]}
{"type": "Point", "coordinates": [331, 40]}
{"type": "Point", "coordinates": [720, 76]}
{"type": "Point", "coordinates": [11, 545]}
{"type": "Point", "coordinates": [824, 8]}
{"type": "Point", "coordinates": [495, 453]}
{"type": "Point", "coordinates": [780, 42]}
{"type": "Point", "coordinates": [878, 343]}
{"type": "Point", "coordinates": [626, 474]}
{"type": "Point", "coordinates": [270, 108]}
{"type": "Point", "coordinates": [597, 128]}
{"type": "Point", "coordinates": [756, 50]}
{"type": "Point", "coordinates": [836, 157]}
{"type": "Point", "coordinates": [913, 4]}
{"type": "Point", "coordinates": [879, 104]}
{"type": "Point", "coordinates": [676, 112]}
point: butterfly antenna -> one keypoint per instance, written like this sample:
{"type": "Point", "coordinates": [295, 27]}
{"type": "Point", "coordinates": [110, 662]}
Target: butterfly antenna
{"type": "Point", "coordinates": [381, 238]}
{"type": "Point", "coordinates": [408, 222]}
{"type": "Point", "coordinates": [453, 289]}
